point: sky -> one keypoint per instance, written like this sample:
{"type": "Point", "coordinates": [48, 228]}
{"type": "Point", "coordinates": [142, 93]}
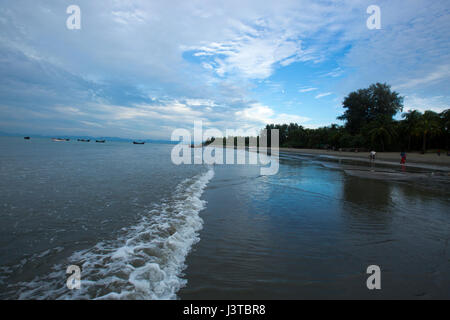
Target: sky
{"type": "Point", "coordinates": [143, 68]}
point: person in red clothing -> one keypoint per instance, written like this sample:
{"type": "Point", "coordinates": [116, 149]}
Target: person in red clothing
{"type": "Point", "coordinates": [403, 157]}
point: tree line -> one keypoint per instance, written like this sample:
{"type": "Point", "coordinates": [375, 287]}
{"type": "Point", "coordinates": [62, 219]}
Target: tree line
{"type": "Point", "coordinates": [369, 124]}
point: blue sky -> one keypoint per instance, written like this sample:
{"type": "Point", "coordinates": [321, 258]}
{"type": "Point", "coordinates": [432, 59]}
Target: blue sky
{"type": "Point", "coordinates": [141, 69]}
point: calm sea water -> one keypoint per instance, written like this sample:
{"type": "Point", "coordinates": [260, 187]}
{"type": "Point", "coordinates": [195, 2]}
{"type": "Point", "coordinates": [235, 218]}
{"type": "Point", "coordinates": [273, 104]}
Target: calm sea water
{"type": "Point", "coordinates": [122, 212]}
{"type": "Point", "coordinates": [142, 228]}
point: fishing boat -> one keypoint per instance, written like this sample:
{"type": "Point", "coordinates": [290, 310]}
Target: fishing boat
{"type": "Point", "coordinates": [58, 140]}
{"type": "Point", "coordinates": [84, 140]}
{"type": "Point", "coordinates": [27, 138]}
{"type": "Point", "coordinates": [135, 142]}
{"type": "Point", "coordinates": [100, 141]}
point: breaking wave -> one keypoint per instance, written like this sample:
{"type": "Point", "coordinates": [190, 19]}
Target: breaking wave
{"type": "Point", "coordinates": [145, 262]}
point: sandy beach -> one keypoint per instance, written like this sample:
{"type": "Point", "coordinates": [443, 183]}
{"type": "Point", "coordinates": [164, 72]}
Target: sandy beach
{"type": "Point", "coordinates": [426, 161]}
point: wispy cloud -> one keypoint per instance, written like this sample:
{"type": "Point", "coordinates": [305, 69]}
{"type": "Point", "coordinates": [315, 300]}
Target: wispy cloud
{"type": "Point", "coordinates": [307, 90]}
{"type": "Point", "coordinates": [434, 103]}
{"type": "Point", "coordinates": [321, 95]}
{"type": "Point", "coordinates": [337, 72]}
{"type": "Point", "coordinates": [251, 55]}
{"type": "Point", "coordinates": [266, 115]}
{"type": "Point", "coordinates": [441, 72]}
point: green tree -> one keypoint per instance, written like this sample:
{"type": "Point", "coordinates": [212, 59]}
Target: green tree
{"type": "Point", "coordinates": [428, 126]}
{"type": "Point", "coordinates": [384, 102]}
{"type": "Point", "coordinates": [381, 131]}
{"type": "Point", "coordinates": [356, 104]}
{"type": "Point", "coordinates": [411, 124]}
{"type": "Point", "coordinates": [366, 105]}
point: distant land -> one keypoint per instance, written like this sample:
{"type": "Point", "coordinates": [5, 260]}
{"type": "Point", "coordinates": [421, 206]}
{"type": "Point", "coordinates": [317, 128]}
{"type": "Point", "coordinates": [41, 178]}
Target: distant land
{"type": "Point", "coordinates": [5, 134]}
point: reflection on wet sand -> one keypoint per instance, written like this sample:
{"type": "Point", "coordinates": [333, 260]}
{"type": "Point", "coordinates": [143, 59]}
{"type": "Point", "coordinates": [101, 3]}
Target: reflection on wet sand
{"type": "Point", "coordinates": [312, 230]}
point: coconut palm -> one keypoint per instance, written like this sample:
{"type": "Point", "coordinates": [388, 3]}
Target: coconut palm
{"type": "Point", "coordinates": [382, 131]}
{"type": "Point", "coordinates": [428, 126]}
{"type": "Point", "coordinates": [411, 124]}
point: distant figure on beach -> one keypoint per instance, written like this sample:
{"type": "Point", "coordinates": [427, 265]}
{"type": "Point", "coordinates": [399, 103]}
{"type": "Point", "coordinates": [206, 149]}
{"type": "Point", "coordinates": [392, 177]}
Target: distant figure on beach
{"type": "Point", "coordinates": [439, 153]}
{"type": "Point", "coordinates": [372, 155]}
{"type": "Point", "coordinates": [403, 157]}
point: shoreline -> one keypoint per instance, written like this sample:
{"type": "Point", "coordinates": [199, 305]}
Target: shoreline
{"type": "Point", "coordinates": [429, 161]}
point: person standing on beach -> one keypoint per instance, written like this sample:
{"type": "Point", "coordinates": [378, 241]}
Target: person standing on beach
{"type": "Point", "coordinates": [372, 159]}
{"type": "Point", "coordinates": [403, 157]}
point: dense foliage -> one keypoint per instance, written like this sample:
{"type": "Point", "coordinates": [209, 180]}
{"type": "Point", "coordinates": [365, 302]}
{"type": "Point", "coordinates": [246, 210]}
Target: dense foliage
{"type": "Point", "coordinates": [370, 124]}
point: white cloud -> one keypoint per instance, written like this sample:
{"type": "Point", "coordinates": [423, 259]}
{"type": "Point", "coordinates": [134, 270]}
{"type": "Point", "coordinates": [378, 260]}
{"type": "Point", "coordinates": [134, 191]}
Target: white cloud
{"type": "Point", "coordinates": [250, 56]}
{"type": "Point", "coordinates": [200, 102]}
{"type": "Point", "coordinates": [337, 72]}
{"type": "Point", "coordinates": [314, 126]}
{"type": "Point", "coordinates": [440, 73]}
{"type": "Point", "coordinates": [92, 124]}
{"type": "Point", "coordinates": [68, 110]}
{"type": "Point", "coordinates": [436, 103]}
{"type": "Point", "coordinates": [264, 115]}
{"type": "Point", "coordinates": [126, 17]}
{"type": "Point", "coordinates": [321, 95]}
{"type": "Point", "coordinates": [307, 90]}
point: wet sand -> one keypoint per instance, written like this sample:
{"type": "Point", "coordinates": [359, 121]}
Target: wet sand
{"type": "Point", "coordinates": [310, 231]}
{"type": "Point", "coordinates": [430, 161]}
{"type": "Point", "coordinates": [423, 176]}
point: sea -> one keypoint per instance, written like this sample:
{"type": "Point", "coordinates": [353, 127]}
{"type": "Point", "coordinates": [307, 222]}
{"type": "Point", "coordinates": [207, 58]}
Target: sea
{"type": "Point", "coordinates": [137, 226]}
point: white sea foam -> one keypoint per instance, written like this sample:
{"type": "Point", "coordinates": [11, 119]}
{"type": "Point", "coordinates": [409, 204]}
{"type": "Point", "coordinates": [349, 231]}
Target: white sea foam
{"type": "Point", "coordinates": [146, 262]}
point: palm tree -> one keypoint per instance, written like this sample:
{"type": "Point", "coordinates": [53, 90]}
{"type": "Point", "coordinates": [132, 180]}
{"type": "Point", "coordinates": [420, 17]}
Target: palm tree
{"type": "Point", "coordinates": [383, 131]}
{"type": "Point", "coordinates": [411, 124]}
{"type": "Point", "coordinates": [380, 134]}
{"type": "Point", "coordinates": [428, 126]}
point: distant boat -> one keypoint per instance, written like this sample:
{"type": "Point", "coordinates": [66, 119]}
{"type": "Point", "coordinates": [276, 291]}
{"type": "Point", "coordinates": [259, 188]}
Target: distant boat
{"type": "Point", "coordinates": [27, 138]}
{"type": "Point", "coordinates": [67, 139]}
{"type": "Point", "coordinates": [135, 142]}
{"type": "Point", "coordinates": [58, 140]}
{"type": "Point", "coordinates": [100, 141]}
{"type": "Point", "coordinates": [84, 140]}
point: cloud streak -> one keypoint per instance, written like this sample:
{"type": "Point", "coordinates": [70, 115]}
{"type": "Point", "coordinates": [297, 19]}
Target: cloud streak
{"type": "Point", "coordinates": [321, 95]}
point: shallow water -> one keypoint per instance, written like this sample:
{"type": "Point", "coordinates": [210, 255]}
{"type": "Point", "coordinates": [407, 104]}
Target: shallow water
{"type": "Point", "coordinates": [121, 212]}
{"type": "Point", "coordinates": [311, 231]}
{"type": "Point", "coordinates": [142, 228]}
